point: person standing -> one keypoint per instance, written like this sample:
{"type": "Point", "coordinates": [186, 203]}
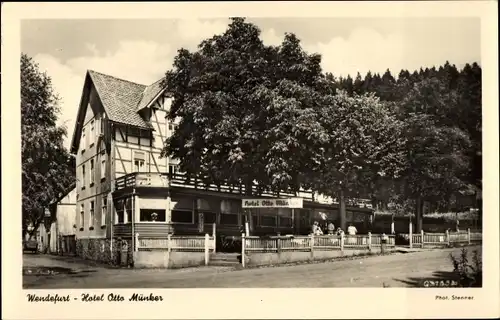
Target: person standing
{"type": "Point", "coordinates": [314, 227]}
{"type": "Point", "coordinates": [340, 231]}
{"type": "Point", "coordinates": [331, 228]}
{"type": "Point", "coordinates": [351, 231]}
{"type": "Point", "coordinates": [319, 232]}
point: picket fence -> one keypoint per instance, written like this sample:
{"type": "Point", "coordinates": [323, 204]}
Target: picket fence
{"type": "Point", "coordinates": [423, 239]}
{"type": "Point", "coordinates": [204, 244]}
{"type": "Point", "coordinates": [277, 244]}
{"type": "Point", "coordinates": [308, 243]}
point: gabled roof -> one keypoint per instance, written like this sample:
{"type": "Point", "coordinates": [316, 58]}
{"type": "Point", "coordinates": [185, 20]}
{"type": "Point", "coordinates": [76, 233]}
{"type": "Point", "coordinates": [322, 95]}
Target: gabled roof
{"type": "Point", "coordinates": [149, 94]}
{"type": "Point", "coordinates": [120, 99]}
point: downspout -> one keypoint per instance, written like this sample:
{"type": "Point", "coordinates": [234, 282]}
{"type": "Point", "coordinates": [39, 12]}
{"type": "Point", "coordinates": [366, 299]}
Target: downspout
{"type": "Point", "coordinates": [132, 241]}
{"type": "Point", "coordinates": [112, 187]}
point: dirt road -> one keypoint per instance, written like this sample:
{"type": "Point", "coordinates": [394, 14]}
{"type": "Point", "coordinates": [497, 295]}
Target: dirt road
{"type": "Point", "coordinates": [399, 270]}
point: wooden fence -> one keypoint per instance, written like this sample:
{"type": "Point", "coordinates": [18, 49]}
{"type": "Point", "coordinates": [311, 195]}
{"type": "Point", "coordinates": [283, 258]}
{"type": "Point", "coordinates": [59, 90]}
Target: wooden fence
{"type": "Point", "coordinates": [423, 239]}
{"type": "Point", "coordinates": [177, 243]}
{"type": "Point", "coordinates": [277, 244]}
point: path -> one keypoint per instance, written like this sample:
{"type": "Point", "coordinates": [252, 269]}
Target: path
{"type": "Point", "coordinates": [398, 270]}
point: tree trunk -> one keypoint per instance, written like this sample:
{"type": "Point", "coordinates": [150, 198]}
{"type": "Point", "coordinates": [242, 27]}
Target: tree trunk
{"type": "Point", "coordinates": [248, 188]}
{"type": "Point", "coordinates": [419, 208]}
{"type": "Point", "coordinates": [343, 222]}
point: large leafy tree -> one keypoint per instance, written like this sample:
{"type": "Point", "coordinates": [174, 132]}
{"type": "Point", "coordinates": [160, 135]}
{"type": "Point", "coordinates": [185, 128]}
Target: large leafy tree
{"type": "Point", "coordinates": [436, 156]}
{"type": "Point", "coordinates": [249, 112]}
{"type": "Point", "coordinates": [47, 167]}
{"type": "Point", "coordinates": [363, 147]}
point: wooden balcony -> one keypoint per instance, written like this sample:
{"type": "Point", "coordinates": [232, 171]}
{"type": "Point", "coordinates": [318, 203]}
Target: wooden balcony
{"type": "Point", "coordinates": [166, 180]}
{"type": "Point", "coordinates": [141, 179]}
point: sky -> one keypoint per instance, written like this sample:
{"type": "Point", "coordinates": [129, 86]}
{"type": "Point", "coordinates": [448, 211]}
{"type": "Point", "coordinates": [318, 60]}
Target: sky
{"type": "Point", "coordinates": [143, 50]}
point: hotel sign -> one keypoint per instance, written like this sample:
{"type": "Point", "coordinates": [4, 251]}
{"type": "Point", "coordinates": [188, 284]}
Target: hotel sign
{"type": "Point", "coordinates": [272, 203]}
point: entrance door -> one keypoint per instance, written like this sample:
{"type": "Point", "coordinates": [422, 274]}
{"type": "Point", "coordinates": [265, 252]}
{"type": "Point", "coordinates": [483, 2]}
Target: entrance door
{"type": "Point", "coordinates": [304, 218]}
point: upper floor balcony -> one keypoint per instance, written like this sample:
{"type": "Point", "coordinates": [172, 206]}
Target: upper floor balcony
{"type": "Point", "coordinates": [169, 180]}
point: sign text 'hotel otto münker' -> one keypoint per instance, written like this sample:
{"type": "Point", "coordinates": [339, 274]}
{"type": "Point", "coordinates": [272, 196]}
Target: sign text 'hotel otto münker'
{"type": "Point", "coordinates": [272, 203]}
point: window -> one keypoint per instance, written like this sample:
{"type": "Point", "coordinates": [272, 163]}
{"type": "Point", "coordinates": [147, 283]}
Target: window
{"type": "Point", "coordinates": [84, 140]}
{"type": "Point", "coordinates": [128, 210]}
{"type": "Point", "coordinates": [181, 216]}
{"type": "Point", "coordinates": [83, 176]}
{"type": "Point", "coordinates": [229, 212]}
{"type": "Point", "coordinates": [209, 217]}
{"type": "Point", "coordinates": [104, 210]}
{"type": "Point", "coordinates": [102, 123]}
{"type": "Point", "coordinates": [82, 216]}
{"type": "Point", "coordinates": [92, 216]}
{"type": "Point", "coordinates": [120, 214]}
{"type": "Point", "coordinates": [139, 161]}
{"type": "Point", "coordinates": [172, 127]}
{"type": "Point", "coordinates": [285, 222]}
{"type": "Point", "coordinates": [92, 172]}
{"type": "Point", "coordinates": [229, 218]}
{"type": "Point", "coordinates": [268, 218]}
{"type": "Point", "coordinates": [285, 217]}
{"type": "Point", "coordinates": [92, 132]}
{"type": "Point", "coordinates": [139, 136]}
{"type": "Point", "coordinates": [153, 215]}
{"type": "Point", "coordinates": [268, 221]}
{"type": "Point", "coordinates": [103, 166]}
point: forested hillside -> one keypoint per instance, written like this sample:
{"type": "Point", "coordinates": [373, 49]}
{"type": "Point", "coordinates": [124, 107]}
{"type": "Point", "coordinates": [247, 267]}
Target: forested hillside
{"type": "Point", "coordinates": [446, 102]}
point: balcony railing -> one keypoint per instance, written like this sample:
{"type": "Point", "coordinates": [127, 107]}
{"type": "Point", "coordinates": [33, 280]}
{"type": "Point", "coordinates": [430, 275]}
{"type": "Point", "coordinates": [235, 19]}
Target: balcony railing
{"type": "Point", "coordinates": [141, 179]}
{"type": "Point", "coordinates": [150, 179]}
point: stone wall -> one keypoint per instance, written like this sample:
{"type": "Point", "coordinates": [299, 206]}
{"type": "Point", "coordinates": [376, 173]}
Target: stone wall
{"type": "Point", "coordinates": [166, 259]}
{"type": "Point", "coordinates": [99, 249]}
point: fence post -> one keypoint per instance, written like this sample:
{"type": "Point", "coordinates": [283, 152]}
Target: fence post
{"type": "Point", "coordinates": [311, 244]}
{"type": "Point", "coordinates": [342, 242]}
{"type": "Point", "coordinates": [278, 243]}
{"type": "Point", "coordinates": [243, 244]}
{"type": "Point", "coordinates": [136, 248]}
{"type": "Point", "coordinates": [215, 238]}
{"type": "Point", "coordinates": [448, 237]}
{"type": "Point", "coordinates": [410, 229]}
{"type": "Point", "coordinates": [169, 243]}
{"type": "Point", "coordinates": [468, 235]}
{"type": "Point", "coordinates": [422, 234]}
{"type": "Point", "coordinates": [369, 241]}
{"type": "Point", "coordinates": [207, 239]}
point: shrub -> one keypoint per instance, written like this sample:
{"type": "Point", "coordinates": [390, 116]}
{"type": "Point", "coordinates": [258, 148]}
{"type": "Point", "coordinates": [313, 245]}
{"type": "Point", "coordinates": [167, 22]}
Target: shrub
{"type": "Point", "coordinates": [468, 274]}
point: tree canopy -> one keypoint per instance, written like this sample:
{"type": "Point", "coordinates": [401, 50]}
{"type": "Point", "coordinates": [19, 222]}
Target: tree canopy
{"type": "Point", "coordinates": [249, 111]}
{"type": "Point", "coordinates": [47, 168]}
{"type": "Point", "coordinates": [269, 114]}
